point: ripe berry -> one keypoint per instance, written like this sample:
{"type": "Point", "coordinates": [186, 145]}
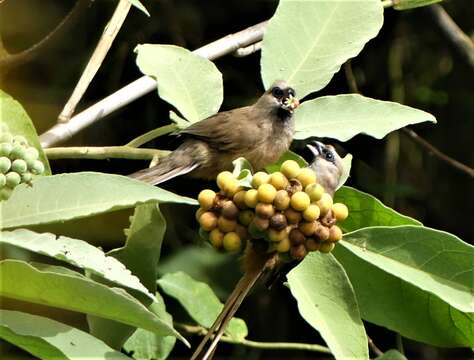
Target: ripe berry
{"type": "Point", "coordinates": [198, 214]}
{"type": "Point", "coordinates": [322, 232]}
{"type": "Point", "coordinates": [230, 210]}
{"type": "Point", "coordinates": [246, 217]}
{"type": "Point", "coordinates": [231, 187]}
{"type": "Point", "coordinates": [232, 242]}
{"type": "Point", "coordinates": [266, 193]}
{"type": "Point", "coordinates": [311, 213]}
{"type": "Point", "coordinates": [290, 169]}
{"type": "Point", "coordinates": [208, 221]}
{"type": "Point", "coordinates": [315, 191]}
{"type": "Point", "coordinates": [223, 178]}
{"type": "Point", "coordinates": [340, 211]}
{"type": "Point", "coordinates": [282, 200]}
{"type": "Point", "coordinates": [255, 232]}
{"type": "Point", "coordinates": [300, 201]}
{"type": "Point", "coordinates": [265, 211]}
{"type": "Point", "coordinates": [306, 177]}
{"type": "Point", "coordinates": [239, 199]}
{"type": "Point", "coordinates": [308, 228]}
{"type": "Point", "coordinates": [293, 216]}
{"type": "Point", "coordinates": [226, 225]}
{"type": "Point", "coordinates": [19, 166]}
{"type": "Point", "coordinates": [294, 186]}
{"type": "Point", "coordinates": [251, 198]}
{"type": "Point", "coordinates": [327, 247]}
{"type": "Point", "coordinates": [261, 224]}
{"type": "Point", "coordinates": [260, 178]}
{"type": "Point", "coordinates": [312, 244]}
{"type": "Point", "coordinates": [298, 252]}
{"type": "Point", "coordinates": [5, 164]}
{"type": "Point", "coordinates": [242, 232]}
{"type": "Point", "coordinates": [206, 199]}
{"type": "Point", "coordinates": [296, 237]}
{"type": "Point", "coordinates": [278, 221]}
{"type": "Point", "coordinates": [325, 203]}
{"type": "Point", "coordinates": [5, 149]}
{"type": "Point", "coordinates": [335, 233]}
{"type": "Point", "coordinates": [216, 238]}
{"type": "Point", "coordinates": [278, 180]}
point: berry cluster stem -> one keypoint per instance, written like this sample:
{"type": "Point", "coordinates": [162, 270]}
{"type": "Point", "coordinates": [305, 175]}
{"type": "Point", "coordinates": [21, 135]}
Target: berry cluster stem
{"type": "Point", "coordinates": [104, 152]}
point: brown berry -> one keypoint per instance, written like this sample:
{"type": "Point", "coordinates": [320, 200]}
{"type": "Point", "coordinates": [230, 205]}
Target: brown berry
{"type": "Point", "coordinates": [239, 199]}
{"type": "Point", "coordinates": [276, 236]}
{"type": "Point", "coordinates": [293, 216]}
{"type": "Point", "coordinates": [294, 186]}
{"type": "Point", "coordinates": [297, 237]}
{"type": "Point", "coordinates": [261, 224]}
{"type": "Point", "coordinates": [335, 233]}
{"type": "Point", "coordinates": [282, 200]}
{"type": "Point", "coordinates": [322, 232]}
{"type": "Point", "coordinates": [308, 228]}
{"type": "Point", "coordinates": [312, 244]}
{"type": "Point", "coordinates": [264, 211]}
{"type": "Point", "coordinates": [242, 232]}
{"type": "Point", "coordinates": [230, 210]}
{"type": "Point", "coordinates": [199, 212]}
{"type": "Point", "coordinates": [216, 237]}
{"type": "Point", "coordinates": [298, 252]}
{"type": "Point", "coordinates": [278, 221]}
{"type": "Point", "coordinates": [208, 221]}
{"type": "Point", "coordinates": [246, 217]}
{"type": "Point", "coordinates": [226, 225]}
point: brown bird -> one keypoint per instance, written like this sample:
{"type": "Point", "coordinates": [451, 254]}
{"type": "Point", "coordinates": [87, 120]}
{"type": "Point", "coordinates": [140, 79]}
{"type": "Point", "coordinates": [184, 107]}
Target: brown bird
{"type": "Point", "coordinates": [261, 133]}
{"type": "Point", "coordinates": [257, 262]}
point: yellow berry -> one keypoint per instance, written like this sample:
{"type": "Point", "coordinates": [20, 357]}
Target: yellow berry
{"type": "Point", "coordinates": [265, 211]}
{"type": "Point", "coordinates": [208, 221]}
{"type": "Point", "coordinates": [293, 216]}
{"type": "Point", "coordinates": [290, 169]}
{"type": "Point", "coordinates": [246, 217]}
{"type": "Point", "coordinates": [306, 177]}
{"type": "Point", "coordinates": [260, 178]}
{"type": "Point", "coordinates": [232, 242]}
{"type": "Point", "coordinates": [223, 178]}
{"type": "Point", "coordinates": [283, 246]}
{"type": "Point", "coordinates": [325, 203]}
{"type": "Point", "coordinates": [335, 233]}
{"type": "Point", "coordinates": [282, 200]}
{"type": "Point", "coordinates": [251, 198]}
{"type": "Point", "coordinates": [311, 213]}
{"type": "Point", "coordinates": [278, 180]}
{"type": "Point", "coordinates": [226, 225]}
{"type": "Point", "coordinates": [230, 210]}
{"type": "Point", "coordinates": [239, 199]}
{"type": "Point", "coordinates": [231, 187]}
{"type": "Point", "coordinates": [340, 211]}
{"type": "Point", "coordinates": [276, 236]}
{"type": "Point", "coordinates": [206, 199]}
{"type": "Point", "coordinates": [216, 237]}
{"type": "Point", "coordinates": [315, 191]}
{"type": "Point", "coordinates": [300, 201]}
{"type": "Point", "coordinates": [326, 247]}
{"type": "Point", "coordinates": [308, 228]}
{"type": "Point", "coordinates": [266, 193]}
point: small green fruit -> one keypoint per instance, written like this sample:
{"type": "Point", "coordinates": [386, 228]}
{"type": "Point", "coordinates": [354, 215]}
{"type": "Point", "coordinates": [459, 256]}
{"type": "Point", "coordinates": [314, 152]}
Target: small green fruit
{"type": "Point", "coordinates": [37, 167]}
{"type": "Point", "coordinates": [19, 166]}
{"type": "Point", "coordinates": [5, 149]}
{"type": "Point", "coordinates": [12, 179]}
{"type": "Point", "coordinates": [5, 164]}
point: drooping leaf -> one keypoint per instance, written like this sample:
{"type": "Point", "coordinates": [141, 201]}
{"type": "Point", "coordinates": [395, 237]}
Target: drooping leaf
{"type": "Point", "coordinates": [77, 253]}
{"type": "Point", "coordinates": [60, 287]}
{"type": "Point", "coordinates": [188, 81]}
{"type": "Point", "coordinates": [432, 260]}
{"type": "Point", "coordinates": [392, 355]}
{"type": "Point", "coordinates": [76, 195]}
{"type": "Point", "coordinates": [346, 170]}
{"type": "Point", "coordinates": [396, 304]}
{"type": "Point", "coordinates": [19, 123]}
{"type": "Point", "coordinates": [50, 339]}
{"type": "Point", "coordinates": [139, 6]}
{"type": "Point", "coordinates": [342, 117]}
{"type": "Point", "coordinates": [243, 171]}
{"type": "Point", "coordinates": [410, 4]}
{"type": "Point", "coordinates": [186, 290]}
{"type": "Point", "coordinates": [327, 302]}
{"type": "Point", "coordinates": [366, 210]}
{"type": "Point", "coordinates": [289, 155]}
{"type": "Point", "coordinates": [307, 41]}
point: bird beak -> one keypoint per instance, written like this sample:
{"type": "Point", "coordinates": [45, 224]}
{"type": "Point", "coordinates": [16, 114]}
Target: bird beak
{"type": "Point", "coordinates": [316, 148]}
{"type": "Point", "coordinates": [290, 103]}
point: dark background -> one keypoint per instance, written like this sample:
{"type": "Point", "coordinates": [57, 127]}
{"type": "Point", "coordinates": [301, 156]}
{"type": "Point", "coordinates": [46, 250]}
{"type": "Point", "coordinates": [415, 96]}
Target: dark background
{"type": "Point", "coordinates": [409, 62]}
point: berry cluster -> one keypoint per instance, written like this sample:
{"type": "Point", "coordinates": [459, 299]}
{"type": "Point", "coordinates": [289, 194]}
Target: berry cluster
{"type": "Point", "coordinates": [287, 209]}
{"type": "Point", "coordinates": [18, 161]}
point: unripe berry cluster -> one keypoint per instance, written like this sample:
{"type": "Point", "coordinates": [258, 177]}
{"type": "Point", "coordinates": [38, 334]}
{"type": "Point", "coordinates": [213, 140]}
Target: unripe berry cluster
{"type": "Point", "coordinates": [18, 162]}
{"type": "Point", "coordinates": [287, 209]}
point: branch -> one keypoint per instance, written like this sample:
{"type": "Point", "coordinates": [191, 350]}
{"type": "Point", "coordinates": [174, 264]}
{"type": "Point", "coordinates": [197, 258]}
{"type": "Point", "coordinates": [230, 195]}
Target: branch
{"type": "Point", "coordinates": [374, 347]}
{"type": "Point", "coordinates": [199, 330]}
{"type": "Point", "coordinates": [461, 42]}
{"type": "Point", "coordinates": [110, 32]}
{"type": "Point", "coordinates": [144, 85]}
{"type": "Point", "coordinates": [24, 56]}
{"type": "Point", "coordinates": [104, 152]}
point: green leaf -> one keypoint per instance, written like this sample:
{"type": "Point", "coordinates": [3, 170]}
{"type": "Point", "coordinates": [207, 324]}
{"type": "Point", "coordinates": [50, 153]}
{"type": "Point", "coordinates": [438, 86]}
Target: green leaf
{"type": "Point", "coordinates": [243, 171]}
{"type": "Point", "coordinates": [433, 260]}
{"type": "Point", "coordinates": [392, 355]}
{"type": "Point", "coordinates": [327, 302]}
{"type": "Point", "coordinates": [390, 301]}
{"type": "Point", "coordinates": [76, 195]}
{"type": "Point", "coordinates": [186, 290]}
{"type": "Point", "coordinates": [59, 287]}
{"type": "Point", "coordinates": [289, 155]}
{"type": "Point", "coordinates": [342, 117]}
{"type": "Point", "coordinates": [346, 170]}
{"type": "Point", "coordinates": [410, 4]}
{"type": "Point", "coordinates": [306, 42]}
{"type": "Point", "coordinates": [19, 123]}
{"type": "Point", "coordinates": [139, 6]}
{"type": "Point", "coordinates": [77, 253]}
{"type": "Point", "coordinates": [188, 81]}
{"type": "Point", "coordinates": [146, 345]}
{"type": "Point", "coordinates": [366, 210]}
{"type": "Point", "coordinates": [49, 339]}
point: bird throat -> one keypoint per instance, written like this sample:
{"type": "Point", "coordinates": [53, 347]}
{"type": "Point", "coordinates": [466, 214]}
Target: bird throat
{"type": "Point", "coordinates": [283, 114]}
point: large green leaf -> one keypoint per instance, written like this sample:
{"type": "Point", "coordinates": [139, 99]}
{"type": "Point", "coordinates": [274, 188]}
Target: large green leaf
{"type": "Point", "coordinates": [75, 252]}
{"type": "Point", "coordinates": [59, 287]}
{"type": "Point", "coordinates": [19, 123]}
{"type": "Point", "coordinates": [342, 117]}
{"type": "Point", "coordinates": [392, 355]}
{"type": "Point", "coordinates": [410, 4]}
{"type": "Point", "coordinates": [307, 41]}
{"type": "Point", "coordinates": [70, 196]}
{"type": "Point", "coordinates": [433, 260]}
{"type": "Point", "coordinates": [186, 290]}
{"type": "Point", "coordinates": [393, 302]}
{"type": "Point", "coordinates": [49, 339]}
{"type": "Point", "coordinates": [327, 302]}
{"type": "Point", "coordinates": [366, 210]}
{"type": "Point", "coordinates": [146, 345]}
{"type": "Point", "coordinates": [188, 81]}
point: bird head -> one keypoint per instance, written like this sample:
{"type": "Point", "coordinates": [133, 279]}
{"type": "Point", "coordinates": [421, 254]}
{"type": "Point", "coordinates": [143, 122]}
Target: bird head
{"type": "Point", "coordinates": [280, 97]}
{"type": "Point", "coordinates": [327, 164]}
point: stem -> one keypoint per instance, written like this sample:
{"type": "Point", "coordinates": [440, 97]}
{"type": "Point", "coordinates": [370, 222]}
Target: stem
{"type": "Point", "coordinates": [387, 3]}
{"type": "Point", "coordinates": [374, 347]}
{"type": "Point", "coordinates": [150, 135]}
{"type": "Point", "coordinates": [199, 330]}
{"type": "Point", "coordinates": [399, 340]}
{"type": "Point", "coordinates": [103, 152]}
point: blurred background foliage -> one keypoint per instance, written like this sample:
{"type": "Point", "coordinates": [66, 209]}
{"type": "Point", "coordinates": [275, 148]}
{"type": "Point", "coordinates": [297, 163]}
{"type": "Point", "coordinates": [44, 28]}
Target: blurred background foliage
{"type": "Point", "coordinates": [410, 62]}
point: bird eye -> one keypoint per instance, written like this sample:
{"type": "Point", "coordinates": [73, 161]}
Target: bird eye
{"type": "Point", "coordinates": [328, 155]}
{"type": "Point", "coordinates": [277, 92]}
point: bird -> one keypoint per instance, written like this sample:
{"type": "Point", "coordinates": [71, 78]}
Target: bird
{"type": "Point", "coordinates": [260, 133]}
{"type": "Point", "coordinates": [257, 262]}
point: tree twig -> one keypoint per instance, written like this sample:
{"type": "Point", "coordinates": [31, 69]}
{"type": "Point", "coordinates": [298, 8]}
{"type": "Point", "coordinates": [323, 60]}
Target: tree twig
{"type": "Point", "coordinates": [437, 153]}
{"type": "Point", "coordinates": [245, 51]}
{"type": "Point", "coordinates": [152, 134]}
{"type": "Point", "coordinates": [199, 330]}
{"type": "Point", "coordinates": [11, 60]}
{"type": "Point", "coordinates": [103, 46]}
{"type": "Point", "coordinates": [144, 85]}
{"type": "Point", "coordinates": [374, 347]}
{"type": "Point", "coordinates": [461, 42]}
{"type": "Point", "coordinates": [104, 152]}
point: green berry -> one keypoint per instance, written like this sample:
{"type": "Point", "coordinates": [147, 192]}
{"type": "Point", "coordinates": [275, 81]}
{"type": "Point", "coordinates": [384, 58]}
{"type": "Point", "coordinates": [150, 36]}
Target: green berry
{"type": "Point", "coordinates": [5, 149]}
{"type": "Point", "coordinates": [5, 164]}
{"type": "Point", "coordinates": [26, 177]}
{"type": "Point", "coordinates": [31, 153]}
{"type": "Point", "coordinates": [5, 193]}
{"type": "Point", "coordinates": [6, 137]}
{"type": "Point", "coordinates": [12, 179]}
{"type": "Point", "coordinates": [3, 180]}
{"type": "Point", "coordinates": [37, 167]}
{"type": "Point", "coordinates": [19, 166]}
{"type": "Point", "coordinates": [18, 152]}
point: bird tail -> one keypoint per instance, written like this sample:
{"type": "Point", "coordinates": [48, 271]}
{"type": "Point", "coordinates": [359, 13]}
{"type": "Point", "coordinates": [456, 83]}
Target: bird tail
{"type": "Point", "coordinates": [179, 162]}
{"type": "Point", "coordinates": [255, 264]}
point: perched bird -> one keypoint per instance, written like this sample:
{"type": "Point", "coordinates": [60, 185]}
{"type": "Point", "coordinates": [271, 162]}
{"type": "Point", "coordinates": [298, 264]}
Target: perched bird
{"type": "Point", "coordinates": [258, 262]}
{"type": "Point", "coordinates": [327, 164]}
{"type": "Point", "coordinates": [261, 133]}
